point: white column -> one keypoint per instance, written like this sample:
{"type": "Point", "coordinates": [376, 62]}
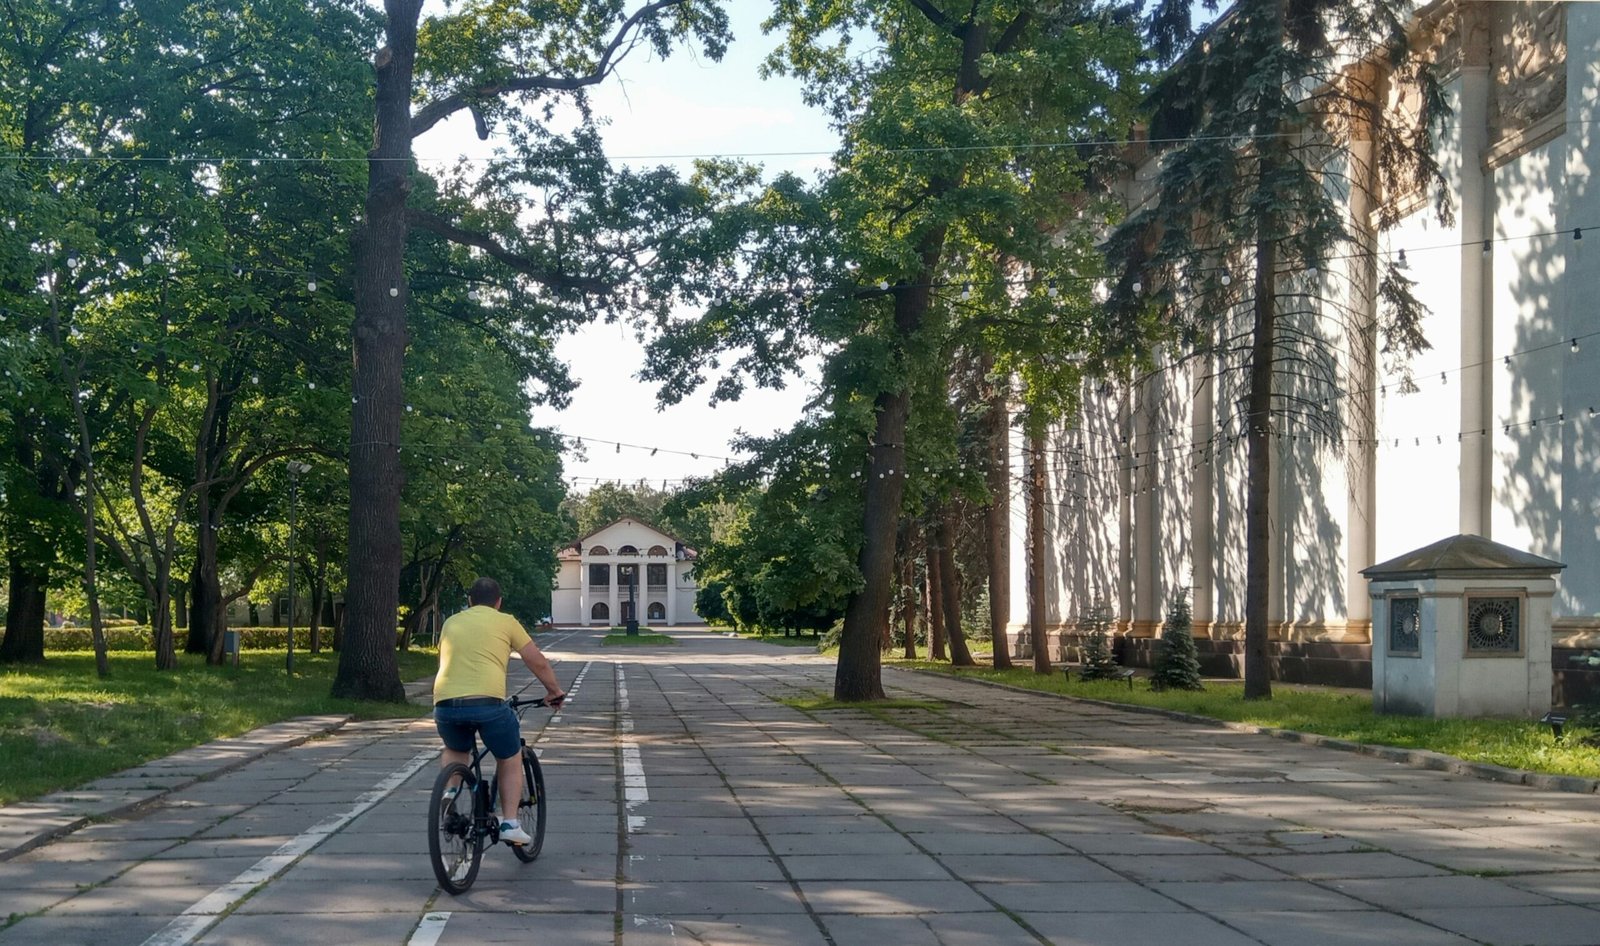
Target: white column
{"type": "Point", "coordinates": [583, 591]}
{"type": "Point", "coordinates": [1477, 318]}
{"type": "Point", "coordinates": [616, 579]}
{"type": "Point", "coordinates": [1202, 519]}
{"type": "Point", "coordinates": [672, 590]}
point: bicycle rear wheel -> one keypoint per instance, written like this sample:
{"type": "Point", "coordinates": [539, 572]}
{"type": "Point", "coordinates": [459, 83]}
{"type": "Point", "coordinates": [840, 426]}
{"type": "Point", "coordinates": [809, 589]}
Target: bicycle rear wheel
{"type": "Point", "coordinates": [531, 808]}
{"type": "Point", "coordinates": [455, 845]}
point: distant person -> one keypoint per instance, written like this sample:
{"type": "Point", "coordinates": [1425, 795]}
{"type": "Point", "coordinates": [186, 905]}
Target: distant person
{"type": "Point", "coordinates": [469, 694]}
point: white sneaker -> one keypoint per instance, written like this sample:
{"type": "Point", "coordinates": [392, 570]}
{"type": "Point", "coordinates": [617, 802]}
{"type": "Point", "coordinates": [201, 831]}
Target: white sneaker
{"type": "Point", "coordinates": [512, 833]}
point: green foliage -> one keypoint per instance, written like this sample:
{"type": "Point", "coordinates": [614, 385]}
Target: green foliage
{"type": "Point", "coordinates": [1177, 662]}
{"type": "Point", "coordinates": [1098, 662]}
{"type": "Point", "coordinates": [60, 726]}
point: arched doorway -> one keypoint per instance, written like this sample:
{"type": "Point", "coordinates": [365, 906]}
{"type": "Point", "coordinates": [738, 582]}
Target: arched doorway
{"type": "Point", "coordinates": [600, 612]}
{"type": "Point", "coordinates": [657, 611]}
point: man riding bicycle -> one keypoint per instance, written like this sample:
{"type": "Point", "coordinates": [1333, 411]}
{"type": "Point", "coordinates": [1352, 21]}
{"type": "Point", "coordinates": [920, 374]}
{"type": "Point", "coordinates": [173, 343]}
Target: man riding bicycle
{"type": "Point", "coordinates": [469, 693]}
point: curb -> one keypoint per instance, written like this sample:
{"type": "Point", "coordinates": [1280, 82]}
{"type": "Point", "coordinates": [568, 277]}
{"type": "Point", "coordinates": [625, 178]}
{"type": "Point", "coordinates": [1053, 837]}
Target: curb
{"type": "Point", "coordinates": [31, 809]}
{"type": "Point", "coordinates": [1415, 758]}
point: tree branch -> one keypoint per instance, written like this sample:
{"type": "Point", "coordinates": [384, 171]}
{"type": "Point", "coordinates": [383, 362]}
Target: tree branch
{"type": "Point", "coordinates": [937, 17]}
{"type": "Point", "coordinates": [437, 111]}
{"type": "Point", "coordinates": [522, 264]}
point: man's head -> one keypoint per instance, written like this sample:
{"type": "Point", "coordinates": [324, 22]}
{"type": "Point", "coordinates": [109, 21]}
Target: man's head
{"type": "Point", "coordinates": [485, 591]}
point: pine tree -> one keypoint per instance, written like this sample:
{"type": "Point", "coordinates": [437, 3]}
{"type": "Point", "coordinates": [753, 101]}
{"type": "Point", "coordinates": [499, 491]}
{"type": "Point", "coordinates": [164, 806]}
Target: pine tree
{"type": "Point", "coordinates": [1177, 664]}
{"type": "Point", "coordinates": [1098, 662]}
{"type": "Point", "coordinates": [1274, 123]}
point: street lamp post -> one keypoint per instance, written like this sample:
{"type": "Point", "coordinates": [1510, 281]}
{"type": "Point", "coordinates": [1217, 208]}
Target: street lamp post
{"type": "Point", "coordinates": [295, 469]}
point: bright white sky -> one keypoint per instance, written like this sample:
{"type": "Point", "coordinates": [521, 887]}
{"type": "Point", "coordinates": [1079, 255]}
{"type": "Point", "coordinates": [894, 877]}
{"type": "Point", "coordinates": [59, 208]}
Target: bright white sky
{"type": "Point", "coordinates": [689, 106]}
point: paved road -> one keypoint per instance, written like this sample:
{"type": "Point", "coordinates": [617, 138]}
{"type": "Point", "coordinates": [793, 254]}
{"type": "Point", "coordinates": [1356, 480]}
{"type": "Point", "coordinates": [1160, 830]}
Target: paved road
{"type": "Point", "coordinates": [690, 806]}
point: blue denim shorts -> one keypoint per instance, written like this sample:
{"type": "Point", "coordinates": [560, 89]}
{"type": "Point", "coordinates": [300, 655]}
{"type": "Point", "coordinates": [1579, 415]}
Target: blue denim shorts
{"type": "Point", "coordinates": [496, 722]}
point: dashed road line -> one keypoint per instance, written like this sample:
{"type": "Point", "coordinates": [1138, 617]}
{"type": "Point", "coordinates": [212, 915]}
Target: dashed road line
{"type": "Point", "coordinates": [430, 929]}
{"type": "Point", "coordinates": [635, 790]}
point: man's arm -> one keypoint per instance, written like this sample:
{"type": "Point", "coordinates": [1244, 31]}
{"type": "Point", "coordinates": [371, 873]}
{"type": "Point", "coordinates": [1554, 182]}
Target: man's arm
{"type": "Point", "coordinates": [546, 674]}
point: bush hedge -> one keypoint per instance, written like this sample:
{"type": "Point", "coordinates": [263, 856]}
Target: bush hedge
{"type": "Point", "coordinates": [138, 638]}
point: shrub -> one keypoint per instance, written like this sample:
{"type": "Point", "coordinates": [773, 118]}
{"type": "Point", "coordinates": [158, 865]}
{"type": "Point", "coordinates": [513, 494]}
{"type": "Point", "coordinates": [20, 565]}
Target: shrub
{"type": "Point", "coordinates": [1098, 661]}
{"type": "Point", "coordinates": [1177, 663]}
{"type": "Point", "coordinates": [123, 637]}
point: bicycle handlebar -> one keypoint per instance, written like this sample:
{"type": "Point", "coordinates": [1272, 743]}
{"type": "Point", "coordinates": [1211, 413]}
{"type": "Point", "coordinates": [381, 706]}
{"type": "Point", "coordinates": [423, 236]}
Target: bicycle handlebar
{"type": "Point", "coordinates": [518, 702]}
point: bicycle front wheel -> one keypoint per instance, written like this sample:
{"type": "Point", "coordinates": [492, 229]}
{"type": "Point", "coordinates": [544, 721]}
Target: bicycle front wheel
{"type": "Point", "coordinates": [531, 808]}
{"type": "Point", "coordinates": [455, 845]}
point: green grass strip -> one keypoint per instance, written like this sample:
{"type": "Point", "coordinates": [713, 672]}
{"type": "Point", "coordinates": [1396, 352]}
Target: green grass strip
{"type": "Point", "coordinates": [61, 725]}
{"type": "Point", "coordinates": [636, 640]}
{"type": "Point", "coordinates": [1338, 713]}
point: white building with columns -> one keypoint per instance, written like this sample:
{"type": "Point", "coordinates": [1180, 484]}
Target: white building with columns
{"type": "Point", "coordinates": [1498, 436]}
{"type": "Point", "coordinates": [627, 565]}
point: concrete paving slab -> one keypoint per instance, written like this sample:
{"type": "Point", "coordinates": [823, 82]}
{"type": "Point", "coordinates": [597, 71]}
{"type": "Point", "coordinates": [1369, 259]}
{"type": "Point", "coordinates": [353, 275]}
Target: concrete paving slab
{"type": "Point", "coordinates": [526, 896]}
{"type": "Point", "coordinates": [1120, 929]}
{"type": "Point", "coordinates": [1088, 897]}
{"type": "Point", "coordinates": [710, 898]}
{"type": "Point", "coordinates": [1439, 892]}
{"type": "Point", "coordinates": [1552, 925]}
{"type": "Point", "coordinates": [1276, 928]}
{"type": "Point", "coordinates": [891, 896]}
{"type": "Point", "coordinates": [1033, 868]}
{"type": "Point", "coordinates": [1330, 866]}
{"type": "Point", "coordinates": [1199, 867]}
{"type": "Point", "coordinates": [751, 930]}
{"type": "Point", "coordinates": [345, 929]}
{"type": "Point", "coordinates": [1571, 887]}
{"type": "Point", "coordinates": [659, 869]}
{"type": "Point", "coordinates": [55, 929]}
{"type": "Point", "coordinates": [566, 929]}
{"type": "Point", "coordinates": [1272, 895]}
{"type": "Point", "coordinates": [946, 929]}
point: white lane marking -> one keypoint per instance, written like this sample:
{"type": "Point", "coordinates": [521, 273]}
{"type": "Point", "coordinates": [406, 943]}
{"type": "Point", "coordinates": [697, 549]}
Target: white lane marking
{"type": "Point", "coordinates": [429, 930]}
{"type": "Point", "coordinates": [635, 790]}
{"type": "Point", "coordinates": [572, 693]}
{"type": "Point", "coordinates": [191, 922]}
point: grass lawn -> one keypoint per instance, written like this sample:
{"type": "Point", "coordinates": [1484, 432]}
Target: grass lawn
{"type": "Point", "coordinates": [635, 640]}
{"type": "Point", "coordinates": [781, 639]}
{"type": "Point", "coordinates": [1342, 714]}
{"type": "Point", "coordinates": [60, 725]}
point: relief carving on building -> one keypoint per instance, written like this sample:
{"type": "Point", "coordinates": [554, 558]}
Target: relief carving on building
{"type": "Point", "coordinates": [1529, 59]}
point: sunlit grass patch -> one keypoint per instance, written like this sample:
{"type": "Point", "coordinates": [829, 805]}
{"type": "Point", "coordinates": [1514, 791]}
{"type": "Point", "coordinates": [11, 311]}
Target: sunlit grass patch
{"type": "Point", "coordinates": [626, 640]}
{"type": "Point", "coordinates": [61, 725]}
{"type": "Point", "coordinates": [1326, 711]}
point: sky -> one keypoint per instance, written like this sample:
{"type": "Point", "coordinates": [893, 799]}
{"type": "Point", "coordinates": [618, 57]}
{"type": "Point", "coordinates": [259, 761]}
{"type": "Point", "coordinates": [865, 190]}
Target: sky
{"type": "Point", "coordinates": [689, 106]}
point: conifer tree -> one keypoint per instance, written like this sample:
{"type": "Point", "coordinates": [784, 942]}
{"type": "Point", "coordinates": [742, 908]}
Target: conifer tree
{"type": "Point", "coordinates": [1287, 128]}
{"type": "Point", "coordinates": [1177, 664]}
{"type": "Point", "coordinates": [1098, 662]}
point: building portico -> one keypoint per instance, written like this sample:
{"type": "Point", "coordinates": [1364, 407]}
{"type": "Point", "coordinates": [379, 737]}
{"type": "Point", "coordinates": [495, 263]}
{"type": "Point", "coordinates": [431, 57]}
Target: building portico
{"type": "Point", "coordinates": [598, 571]}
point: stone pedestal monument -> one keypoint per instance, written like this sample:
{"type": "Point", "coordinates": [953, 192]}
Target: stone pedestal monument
{"type": "Point", "coordinates": [1462, 628]}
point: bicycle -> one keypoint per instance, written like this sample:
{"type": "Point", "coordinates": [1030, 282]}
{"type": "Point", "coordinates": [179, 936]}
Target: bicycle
{"type": "Point", "coordinates": [461, 822]}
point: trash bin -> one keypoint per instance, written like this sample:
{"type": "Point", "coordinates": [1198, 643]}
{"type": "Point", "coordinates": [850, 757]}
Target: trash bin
{"type": "Point", "coordinates": [230, 647]}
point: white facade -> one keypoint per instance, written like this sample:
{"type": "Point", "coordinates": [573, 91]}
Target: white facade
{"type": "Point", "coordinates": [1501, 439]}
{"type": "Point", "coordinates": [598, 573]}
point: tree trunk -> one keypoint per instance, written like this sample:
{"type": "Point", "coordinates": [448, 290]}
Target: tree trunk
{"type": "Point", "coordinates": [908, 603]}
{"type": "Point", "coordinates": [859, 675]}
{"type": "Point", "coordinates": [161, 637]}
{"type": "Point", "coordinates": [25, 591]}
{"type": "Point", "coordinates": [950, 587]}
{"type": "Point", "coordinates": [935, 602]}
{"type": "Point", "coordinates": [1036, 553]}
{"type": "Point", "coordinates": [997, 518]}
{"type": "Point", "coordinates": [368, 669]}
{"type": "Point", "coordinates": [91, 588]}
{"type": "Point", "coordinates": [180, 607]}
{"type": "Point", "coordinates": [1258, 486]}
{"type": "Point", "coordinates": [319, 587]}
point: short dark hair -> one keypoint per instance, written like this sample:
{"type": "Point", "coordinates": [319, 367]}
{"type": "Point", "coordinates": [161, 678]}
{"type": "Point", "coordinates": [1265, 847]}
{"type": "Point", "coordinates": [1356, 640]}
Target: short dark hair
{"type": "Point", "coordinates": [484, 591]}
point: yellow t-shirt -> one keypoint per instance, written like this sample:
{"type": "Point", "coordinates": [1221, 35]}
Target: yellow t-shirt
{"type": "Point", "coordinates": [474, 648]}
